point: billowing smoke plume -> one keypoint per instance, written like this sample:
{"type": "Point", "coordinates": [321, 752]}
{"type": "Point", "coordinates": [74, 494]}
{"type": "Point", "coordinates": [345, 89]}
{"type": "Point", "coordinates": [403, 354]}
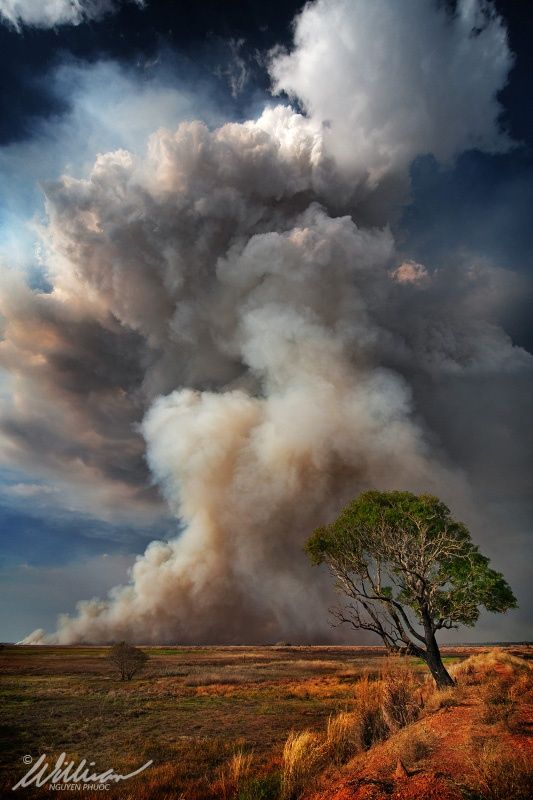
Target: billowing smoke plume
{"type": "Point", "coordinates": [224, 306]}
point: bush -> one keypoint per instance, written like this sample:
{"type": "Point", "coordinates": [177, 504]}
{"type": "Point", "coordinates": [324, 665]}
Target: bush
{"type": "Point", "coordinates": [303, 755]}
{"type": "Point", "coordinates": [127, 660]}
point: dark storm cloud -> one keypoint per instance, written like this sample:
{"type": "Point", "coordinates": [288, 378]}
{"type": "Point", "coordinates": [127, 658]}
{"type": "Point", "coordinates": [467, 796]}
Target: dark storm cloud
{"type": "Point", "coordinates": [478, 211]}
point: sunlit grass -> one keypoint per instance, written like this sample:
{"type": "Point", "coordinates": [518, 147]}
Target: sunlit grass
{"type": "Point", "coordinates": [194, 710]}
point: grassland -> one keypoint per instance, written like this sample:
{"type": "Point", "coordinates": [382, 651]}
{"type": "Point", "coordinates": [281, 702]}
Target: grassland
{"type": "Point", "coordinates": [190, 711]}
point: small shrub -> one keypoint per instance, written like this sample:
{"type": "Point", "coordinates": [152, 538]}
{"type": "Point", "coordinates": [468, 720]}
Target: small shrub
{"type": "Point", "coordinates": [502, 774]}
{"type": "Point", "coordinates": [127, 660]}
{"type": "Point", "coordinates": [303, 755]}
{"type": "Point", "coordinates": [343, 737]}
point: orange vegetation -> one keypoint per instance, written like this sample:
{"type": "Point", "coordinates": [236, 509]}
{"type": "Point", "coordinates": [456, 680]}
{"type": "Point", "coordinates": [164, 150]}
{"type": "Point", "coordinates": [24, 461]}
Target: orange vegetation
{"type": "Point", "coordinates": [482, 745]}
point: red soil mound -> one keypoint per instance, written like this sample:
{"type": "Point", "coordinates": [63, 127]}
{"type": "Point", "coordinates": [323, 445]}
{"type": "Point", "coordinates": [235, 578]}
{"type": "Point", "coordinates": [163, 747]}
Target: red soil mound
{"type": "Point", "coordinates": [457, 734]}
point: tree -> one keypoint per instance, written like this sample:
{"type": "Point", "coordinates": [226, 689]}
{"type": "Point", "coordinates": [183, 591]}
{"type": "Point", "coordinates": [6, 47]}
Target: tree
{"type": "Point", "coordinates": [127, 659]}
{"type": "Point", "coordinates": [409, 570]}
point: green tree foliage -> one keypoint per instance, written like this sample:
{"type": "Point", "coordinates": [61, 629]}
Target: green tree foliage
{"type": "Point", "coordinates": [409, 570]}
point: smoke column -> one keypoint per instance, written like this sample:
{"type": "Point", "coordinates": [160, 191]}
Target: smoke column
{"type": "Point", "coordinates": [231, 325]}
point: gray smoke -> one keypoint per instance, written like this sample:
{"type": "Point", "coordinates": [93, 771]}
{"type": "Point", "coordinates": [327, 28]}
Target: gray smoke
{"type": "Point", "coordinates": [233, 306]}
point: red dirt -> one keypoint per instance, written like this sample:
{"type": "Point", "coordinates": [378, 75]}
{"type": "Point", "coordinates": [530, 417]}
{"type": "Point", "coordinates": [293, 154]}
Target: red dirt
{"type": "Point", "coordinates": [427, 786]}
{"type": "Point", "coordinates": [454, 733]}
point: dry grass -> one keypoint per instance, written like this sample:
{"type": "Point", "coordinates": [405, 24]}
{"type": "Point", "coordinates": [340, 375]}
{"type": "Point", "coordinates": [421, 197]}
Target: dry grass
{"type": "Point", "coordinates": [197, 711]}
{"type": "Point", "coordinates": [501, 774]}
{"type": "Point", "coordinates": [503, 680]}
{"type": "Point", "coordinates": [402, 700]}
{"type": "Point", "coordinates": [444, 698]}
{"type": "Point", "coordinates": [303, 756]}
{"type": "Point", "coordinates": [314, 665]}
{"type": "Point", "coordinates": [383, 703]}
{"type": "Point", "coordinates": [368, 708]}
{"type": "Point", "coordinates": [264, 787]}
{"type": "Point", "coordinates": [413, 745]}
{"type": "Point", "coordinates": [522, 688]}
{"type": "Point", "coordinates": [495, 693]}
{"type": "Point", "coordinates": [465, 673]}
{"type": "Point", "coordinates": [492, 660]}
{"type": "Point", "coordinates": [343, 737]}
{"type": "Point", "coordinates": [500, 698]}
{"type": "Point", "coordinates": [65, 699]}
{"type": "Point", "coordinates": [220, 678]}
{"type": "Point", "coordinates": [232, 775]}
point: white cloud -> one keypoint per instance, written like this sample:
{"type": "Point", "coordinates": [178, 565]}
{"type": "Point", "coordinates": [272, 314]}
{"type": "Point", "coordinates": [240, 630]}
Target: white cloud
{"type": "Point", "coordinates": [393, 79]}
{"type": "Point", "coordinates": [50, 13]}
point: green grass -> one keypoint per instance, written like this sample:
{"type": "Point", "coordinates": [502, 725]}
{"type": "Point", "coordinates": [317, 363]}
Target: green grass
{"type": "Point", "coordinates": [445, 660]}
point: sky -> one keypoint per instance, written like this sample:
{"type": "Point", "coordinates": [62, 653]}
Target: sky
{"type": "Point", "coordinates": [255, 258]}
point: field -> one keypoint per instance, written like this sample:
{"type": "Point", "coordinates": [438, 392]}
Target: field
{"type": "Point", "coordinates": [215, 720]}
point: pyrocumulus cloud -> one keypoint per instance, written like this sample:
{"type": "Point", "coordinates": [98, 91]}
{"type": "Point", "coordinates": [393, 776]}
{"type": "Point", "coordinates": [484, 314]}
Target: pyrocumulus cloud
{"type": "Point", "coordinates": [230, 321]}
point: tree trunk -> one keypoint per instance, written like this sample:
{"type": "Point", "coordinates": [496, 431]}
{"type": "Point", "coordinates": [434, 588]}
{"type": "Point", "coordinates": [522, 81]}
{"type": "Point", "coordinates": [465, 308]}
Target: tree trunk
{"type": "Point", "coordinates": [433, 658]}
{"type": "Point", "coordinates": [438, 670]}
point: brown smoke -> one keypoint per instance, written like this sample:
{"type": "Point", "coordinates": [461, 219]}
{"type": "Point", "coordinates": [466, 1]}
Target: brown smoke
{"type": "Point", "coordinates": [213, 309]}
